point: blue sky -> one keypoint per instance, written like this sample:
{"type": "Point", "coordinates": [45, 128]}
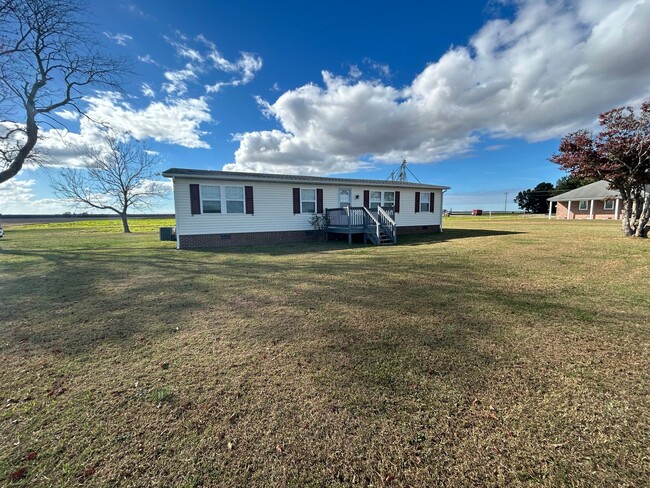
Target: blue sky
{"type": "Point", "coordinates": [474, 94]}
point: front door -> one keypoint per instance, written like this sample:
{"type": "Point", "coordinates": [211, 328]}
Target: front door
{"type": "Point", "coordinates": [345, 197]}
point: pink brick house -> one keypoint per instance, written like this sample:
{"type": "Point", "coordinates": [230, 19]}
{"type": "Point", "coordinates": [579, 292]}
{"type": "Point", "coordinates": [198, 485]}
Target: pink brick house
{"type": "Point", "coordinates": [594, 201]}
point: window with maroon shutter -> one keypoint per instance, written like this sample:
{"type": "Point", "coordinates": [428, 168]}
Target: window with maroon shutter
{"type": "Point", "coordinates": [417, 201]}
{"type": "Point", "coordinates": [424, 202]}
{"type": "Point", "coordinates": [250, 207]}
{"type": "Point", "coordinates": [366, 198]}
{"type": "Point", "coordinates": [319, 200]}
{"type": "Point", "coordinates": [396, 202]}
{"type": "Point", "coordinates": [296, 200]}
{"type": "Point", "coordinates": [195, 199]}
{"type": "Point", "coordinates": [432, 198]}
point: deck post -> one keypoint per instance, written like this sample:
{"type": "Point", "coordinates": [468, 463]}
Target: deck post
{"type": "Point", "coordinates": [349, 225]}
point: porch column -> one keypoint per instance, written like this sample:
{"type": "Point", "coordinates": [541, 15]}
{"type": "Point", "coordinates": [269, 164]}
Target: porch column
{"type": "Point", "coordinates": [591, 211]}
{"type": "Point", "coordinates": [550, 210]}
{"type": "Point", "coordinates": [616, 209]}
{"type": "Point", "coordinates": [568, 209]}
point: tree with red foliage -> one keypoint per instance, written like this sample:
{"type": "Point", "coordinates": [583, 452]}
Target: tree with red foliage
{"type": "Point", "coordinates": [618, 154]}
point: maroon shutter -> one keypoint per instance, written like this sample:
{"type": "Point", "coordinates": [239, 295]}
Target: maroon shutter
{"type": "Point", "coordinates": [250, 208]}
{"type": "Point", "coordinates": [319, 200]}
{"type": "Point", "coordinates": [195, 199]}
{"type": "Point", "coordinates": [366, 198]}
{"type": "Point", "coordinates": [431, 200]}
{"type": "Point", "coordinates": [396, 202]}
{"type": "Point", "coordinates": [417, 201]}
{"type": "Point", "coordinates": [296, 200]}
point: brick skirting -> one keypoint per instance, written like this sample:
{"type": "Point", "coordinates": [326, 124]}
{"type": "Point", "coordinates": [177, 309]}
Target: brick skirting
{"type": "Point", "coordinates": [200, 241]}
{"type": "Point", "coordinates": [245, 239]}
{"type": "Point", "coordinates": [417, 229]}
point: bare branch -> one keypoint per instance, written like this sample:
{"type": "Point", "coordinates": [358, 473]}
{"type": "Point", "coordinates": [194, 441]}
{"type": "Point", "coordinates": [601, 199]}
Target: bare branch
{"type": "Point", "coordinates": [48, 56]}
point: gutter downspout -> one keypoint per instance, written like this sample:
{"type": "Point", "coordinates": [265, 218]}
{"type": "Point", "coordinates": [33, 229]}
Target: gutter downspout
{"type": "Point", "coordinates": [441, 205]}
{"type": "Point", "coordinates": [178, 241]}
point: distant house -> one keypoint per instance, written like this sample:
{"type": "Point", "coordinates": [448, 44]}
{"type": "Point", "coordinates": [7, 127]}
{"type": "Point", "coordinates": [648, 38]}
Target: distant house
{"type": "Point", "coordinates": [222, 208]}
{"type": "Point", "coordinates": [593, 201]}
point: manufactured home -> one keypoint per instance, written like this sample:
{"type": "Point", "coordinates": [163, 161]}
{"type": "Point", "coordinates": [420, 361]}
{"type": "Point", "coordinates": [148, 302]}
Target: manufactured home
{"type": "Point", "coordinates": [223, 208]}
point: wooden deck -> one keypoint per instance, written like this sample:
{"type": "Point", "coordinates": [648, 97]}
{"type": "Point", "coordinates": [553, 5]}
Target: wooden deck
{"type": "Point", "coordinates": [378, 226]}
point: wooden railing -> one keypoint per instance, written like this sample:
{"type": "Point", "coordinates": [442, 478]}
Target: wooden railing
{"type": "Point", "coordinates": [388, 222]}
{"type": "Point", "coordinates": [373, 227]}
{"type": "Point", "coordinates": [375, 224]}
{"type": "Point", "coordinates": [346, 217]}
{"type": "Point", "coordinates": [390, 211]}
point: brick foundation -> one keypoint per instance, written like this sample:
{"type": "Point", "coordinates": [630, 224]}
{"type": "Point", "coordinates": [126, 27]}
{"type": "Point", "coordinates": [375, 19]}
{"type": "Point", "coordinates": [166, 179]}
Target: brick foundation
{"type": "Point", "coordinates": [417, 229]}
{"type": "Point", "coordinates": [245, 239]}
{"type": "Point", "coordinates": [205, 241]}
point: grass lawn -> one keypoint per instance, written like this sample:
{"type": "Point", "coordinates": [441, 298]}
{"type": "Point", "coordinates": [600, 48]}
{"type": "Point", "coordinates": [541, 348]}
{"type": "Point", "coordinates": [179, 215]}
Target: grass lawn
{"type": "Point", "coordinates": [506, 351]}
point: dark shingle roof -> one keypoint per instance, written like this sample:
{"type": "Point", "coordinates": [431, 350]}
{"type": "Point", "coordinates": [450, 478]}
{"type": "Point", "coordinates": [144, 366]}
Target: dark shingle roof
{"type": "Point", "coordinates": [233, 175]}
{"type": "Point", "coordinates": [594, 191]}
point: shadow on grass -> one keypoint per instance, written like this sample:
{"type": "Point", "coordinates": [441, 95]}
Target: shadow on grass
{"type": "Point", "coordinates": [341, 244]}
{"type": "Point", "coordinates": [451, 235]}
{"type": "Point", "coordinates": [71, 301]}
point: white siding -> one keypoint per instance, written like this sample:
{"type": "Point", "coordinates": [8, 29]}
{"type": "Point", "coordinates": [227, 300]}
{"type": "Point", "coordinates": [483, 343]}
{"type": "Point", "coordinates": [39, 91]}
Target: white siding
{"type": "Point", "coordinates": [273, 203]}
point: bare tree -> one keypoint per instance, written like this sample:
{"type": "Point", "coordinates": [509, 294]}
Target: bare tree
{"type": "Point", "coordinates": [117, 176]}
{"type": "Point", "coordinates": [48, 55]}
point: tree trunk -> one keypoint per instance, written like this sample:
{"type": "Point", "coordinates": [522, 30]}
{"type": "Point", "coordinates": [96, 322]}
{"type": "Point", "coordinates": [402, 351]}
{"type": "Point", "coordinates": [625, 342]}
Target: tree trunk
{"type": "Point", "coordinates": [31, 129]}
{"type": "Point", "coordinates": [628, 231]}
{"type": "Point", "coordinates": [125, 223]}
{"type": "Point", "coordinates": [642, 226]}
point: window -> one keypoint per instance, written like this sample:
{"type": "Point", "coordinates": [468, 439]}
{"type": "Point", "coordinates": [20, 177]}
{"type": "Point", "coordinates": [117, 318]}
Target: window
{"type": "Point", "coordinates": [211, 197]}
{"type": "Point", "coordinates": [583, 205]}
{"type": "Point", "coordinates": [234, 199]}
{"type": "Point", "coordinates": [608, 205]}
{"type": "Point", "coordinates": [424, 202]}
{"type": "Point", "coordinates": [381, 199]}
{"type": "Point", "coordinates": [375, 200]}
{"type": "Point", "coordinates": [389, 199]}
{"type": "Point", "coordinates": [226, 200]}
{"type": "Point", "coordinates": [307, 201]}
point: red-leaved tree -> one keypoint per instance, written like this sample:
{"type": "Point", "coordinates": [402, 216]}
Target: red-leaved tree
{"type": "Point", "coordinates": [618, 154]}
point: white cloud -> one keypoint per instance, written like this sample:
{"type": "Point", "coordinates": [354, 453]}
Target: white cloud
{"type": "Point", "coordinates": [147, 91]}
{"type": "Point", "coordinates": [177, 84]}
{"type": "Point", "coordinates": [68, 114]}
{"type": "Point", "coordinates": [16, 191]}
{"type": "Point", "coordinates": [246, 67]}
{"type": "Point", "coordinates": [354, 72]}
{"type": "Point", "coordinates": [381, 68]}
{"type": "Point", "coordinates": [203, 59]}
{"type": "Point", "coordinates": [147, 59]}
{"type": "Point", "coordinates": [120, 39]}
{"type": "Point", "coordinates": [550, 70]}
{"type": "Point", "coordinates": [183, 50]}
{"type": "Point", "coordinates": [175, 121]}
{"type": "Point", "coordinates": [17, 197]}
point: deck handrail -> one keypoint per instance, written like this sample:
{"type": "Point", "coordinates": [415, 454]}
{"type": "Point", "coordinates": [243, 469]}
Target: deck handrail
{"type": "Point", "coordinates": [377, 235]}
{"type": "Point", "coordinates": [387, 223]}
